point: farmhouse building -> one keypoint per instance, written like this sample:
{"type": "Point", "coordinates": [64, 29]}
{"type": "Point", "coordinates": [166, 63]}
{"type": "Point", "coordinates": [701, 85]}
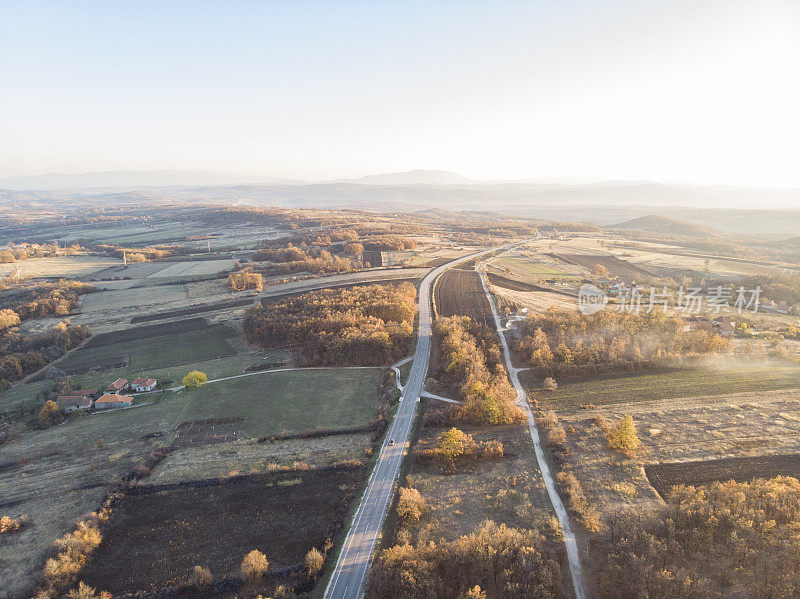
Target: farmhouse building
{"type": "Point", "coordinates": [117, 386]}
{"type": "Point", "coordinates": [112, 400]}
{"type": "Point", "coordinates": [724, 326]}
{"type": "Point", "coordinates": [73, 403]}
{"type": "Point", "coordinates": [141, 385]}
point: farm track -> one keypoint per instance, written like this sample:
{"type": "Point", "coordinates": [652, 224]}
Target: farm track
{"type": "Point", "coordinates": [573, 555]}
{"type": "Point", "coordinates": [352, 566]}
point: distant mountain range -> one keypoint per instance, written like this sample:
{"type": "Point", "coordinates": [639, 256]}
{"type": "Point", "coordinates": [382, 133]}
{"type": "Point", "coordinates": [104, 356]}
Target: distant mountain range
{"type": "Point", "coordinates": [417, 177]}
{"type": "Point", "coordinates": [733, 210]}
{"type": "Point", "coordinates": [130, 179]}
{"type": "Point", "coordinates": [668, 226]}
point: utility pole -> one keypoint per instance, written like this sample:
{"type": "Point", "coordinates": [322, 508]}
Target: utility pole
{"type": "Point", "coordinates": [208, 241]}
{"type": "Point", "coordinates": [124, 257]}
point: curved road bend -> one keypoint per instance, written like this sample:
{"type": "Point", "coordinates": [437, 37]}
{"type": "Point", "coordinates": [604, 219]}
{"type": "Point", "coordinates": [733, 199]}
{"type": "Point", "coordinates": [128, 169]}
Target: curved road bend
{"type": "Point", "coordinates": [352, 567]}
{"type": "Point", "coordinates": [573, 556]}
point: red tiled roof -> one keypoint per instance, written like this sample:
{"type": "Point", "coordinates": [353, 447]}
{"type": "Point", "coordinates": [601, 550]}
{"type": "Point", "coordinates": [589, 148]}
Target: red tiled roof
{"type": "Point", "coordinates": [118, 384]}
{"type": "Point", "coordinates": [142, 382]}
{"type": "Point", "coordinates": [112, 398]}
{"type": "Point", "coordinates": [74, 398]}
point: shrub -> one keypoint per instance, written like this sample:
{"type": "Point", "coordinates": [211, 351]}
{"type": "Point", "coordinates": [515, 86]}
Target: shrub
{"type": "Point", "coordinates": [9, 525]}
{"type": "Point", "coordinates": [623, 437]}
{"type": "Point", "coordinates": [201, 577]}
{"type": "Point", "coordinates": [550, 384]}
{"type": "Point", "coordinates": [354, 249]}
{"type": "Point", "coordinates": [411, 504]}
{"type": "Point", "coordinates": [254, 565]}
{"type": "Point", "coordinates": [136, 258]}
{"type": "Point", "coordinates": [314, 561]}
{"type": "Point", "coordinates": [194, 379]}
{"type": "Point", "coordinates": [8, 319]}
{"type": "Point", "coordinates": [84, 591]}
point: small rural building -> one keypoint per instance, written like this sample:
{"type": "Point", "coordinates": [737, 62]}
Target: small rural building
{"type": "Point", "coordinates": [112, 400]}
{"type": "Point", "coordinates": [141, 385]}
{"type": "Point", "coordinates": [91, 393]}
{"type": "Point", "coordinates": [73, 403]}
{"type": "Point", "coordinates": [724, 326]}
{"type": "Point", "coordinates": [117, 386]}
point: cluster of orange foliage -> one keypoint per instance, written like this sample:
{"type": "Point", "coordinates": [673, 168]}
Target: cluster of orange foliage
{"type": "Point", "coordinates": [366, 325]}
{"type": "Point", "coordinates": [562, 342]}
{"type": "Point", "coordinates": [470, 365]}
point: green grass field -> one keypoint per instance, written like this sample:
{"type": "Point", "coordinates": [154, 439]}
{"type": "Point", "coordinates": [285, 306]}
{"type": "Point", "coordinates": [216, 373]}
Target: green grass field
{"type": "Point", "coordinates": [24, 394]}
{"type": "Point", "coordinates": [523, 267]}
{"type": "Point", "coordinates": [268, 403]}
{"type": "Point", "coordinates": [663, 385]}
{"type": "Point", "coordinates": [291, 402]}
{"type": "Point", "coordinates": [159, 352]}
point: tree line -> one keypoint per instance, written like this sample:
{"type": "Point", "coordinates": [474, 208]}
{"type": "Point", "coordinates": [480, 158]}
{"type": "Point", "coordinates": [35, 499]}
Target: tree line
{"type": "Point", "coordinates": [561, 342]}
{"type": "Point", "coordinates": [368, 325]}
{"type": "Point", "coordinates": [726, 538]}
{"type": "Point", "coordinates": [30, 300]}
{"type": "Point", "coordinates": [22, 354]}
{"type": "Point", "coordinates": [502, 562]}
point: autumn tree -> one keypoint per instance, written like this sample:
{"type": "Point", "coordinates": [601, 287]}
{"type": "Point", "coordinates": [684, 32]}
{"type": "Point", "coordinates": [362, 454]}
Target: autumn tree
{"type": "Point", "coordinates": [550, 384]}
{"type": "Point", "coordinates": [254, 566]}
{"type": "Point", "coordinates": [623, 437]}
{"type": "Point", "coordinates": [239, 281]}
{"type": "Point", "coordinates": [600, 271]}
{"type": "Point", "coordinates": [46, 413]}
{"type": "Point", "coordinates": [195, 379]}
{"type": "Point", "coordinates": [411, 505]}
{"type": "Point", "coordinates": [314, 561]}
{"type": "Point", "coordinates": [354, 249]}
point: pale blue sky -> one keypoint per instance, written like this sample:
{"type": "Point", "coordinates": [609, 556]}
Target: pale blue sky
{"type": "Point", "coordinates": [693, 91]}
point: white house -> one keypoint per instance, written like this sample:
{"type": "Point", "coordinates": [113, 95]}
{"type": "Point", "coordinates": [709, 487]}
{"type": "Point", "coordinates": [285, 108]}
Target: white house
{"type": "Point", "coordinates": [141, 385]}
{"type": "Point", "coordinates": [73, 403]}
{"type": "Point", "coordinates": [112, 400]}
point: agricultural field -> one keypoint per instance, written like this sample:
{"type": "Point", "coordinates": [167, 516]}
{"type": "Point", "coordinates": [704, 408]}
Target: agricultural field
{"type": "Point", "coordinates": [60, 473]}
{"type": "Point", "coordinates": [156, 351]}
{"type": "Point", "coordinates": [529, 269]}
{"type": "Point", "coordinates": [124, 299]}
{"type": "Point", "coordinates": [664, 476]}
{"type": "Point", "coordinates": [509, 489]}
{"type": "Point", "coordinates": [460, 293]}
{"type": "Point", "coordinates": [232, 458]}
{"type": "Point", "coordinates": [535, 301]}
{"type": "Point", "coordinates": [615, 266]}
{"type": "Point", "coordinates": [651, 386]}
{"type": "Point", "coordinates": [274, 403]}
{"type": "Point", "coordinates": [71, 267]}
{"type": "Point", "coordinates": [216, 523]}
{"type": "Point", "coordinates": [165, 269]}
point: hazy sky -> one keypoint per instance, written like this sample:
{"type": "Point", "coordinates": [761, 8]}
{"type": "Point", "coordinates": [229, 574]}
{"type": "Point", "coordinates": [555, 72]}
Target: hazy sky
{"type": "Point", "coordinates": [700, 91]}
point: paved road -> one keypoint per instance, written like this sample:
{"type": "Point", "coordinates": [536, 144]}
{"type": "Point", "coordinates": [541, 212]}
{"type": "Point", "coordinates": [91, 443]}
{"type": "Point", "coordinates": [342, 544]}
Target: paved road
{"type": "Point", "coordinates": [573, 556]}
{"type": "Point", "coordinates": [347, 581]}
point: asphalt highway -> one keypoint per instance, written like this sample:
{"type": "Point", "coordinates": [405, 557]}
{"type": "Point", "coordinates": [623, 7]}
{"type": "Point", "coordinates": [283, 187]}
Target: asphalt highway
{"type": "Point", "coordinates": [347, 581]}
